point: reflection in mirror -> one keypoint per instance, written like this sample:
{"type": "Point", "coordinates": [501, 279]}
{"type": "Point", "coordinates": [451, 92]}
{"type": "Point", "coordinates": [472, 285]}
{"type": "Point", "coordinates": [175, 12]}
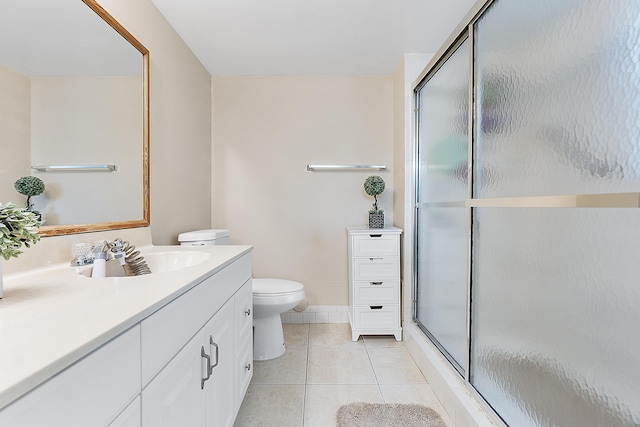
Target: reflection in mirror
{"type": "Point", "coordinates": [74, 92]}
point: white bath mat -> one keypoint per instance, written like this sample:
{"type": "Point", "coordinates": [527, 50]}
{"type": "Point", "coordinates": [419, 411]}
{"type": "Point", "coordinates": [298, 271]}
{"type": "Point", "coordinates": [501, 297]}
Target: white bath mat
{"type": "Point", "coordinates": [387, 415]}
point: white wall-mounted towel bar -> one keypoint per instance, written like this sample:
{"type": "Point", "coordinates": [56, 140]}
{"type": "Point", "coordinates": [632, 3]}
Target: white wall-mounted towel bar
{"type": "Point", "coordinates": [319, 168]}
{"type": "Point", "coordinates": [76, 168]}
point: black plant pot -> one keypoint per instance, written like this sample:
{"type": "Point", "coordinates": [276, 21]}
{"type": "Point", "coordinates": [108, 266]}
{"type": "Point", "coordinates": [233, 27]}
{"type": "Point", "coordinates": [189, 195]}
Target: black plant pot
{"type": "Point", "coordinates": [376, 220]}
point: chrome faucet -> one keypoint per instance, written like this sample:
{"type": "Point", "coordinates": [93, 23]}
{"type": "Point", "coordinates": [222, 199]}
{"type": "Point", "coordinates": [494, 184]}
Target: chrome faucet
{"type": "Point", "coordinates": [85, 253]}
{"type": "Point", "coordinates": [116, 250]}
{"type": "Point", "coordinates": [82, 254]}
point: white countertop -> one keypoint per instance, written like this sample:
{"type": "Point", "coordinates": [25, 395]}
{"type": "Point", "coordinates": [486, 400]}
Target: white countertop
{"type": "Point", "coordinates": [52, 317]}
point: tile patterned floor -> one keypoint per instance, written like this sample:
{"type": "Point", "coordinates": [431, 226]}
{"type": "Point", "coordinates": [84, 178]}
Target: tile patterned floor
{"type": "Point", "coordinates": [323, 369]}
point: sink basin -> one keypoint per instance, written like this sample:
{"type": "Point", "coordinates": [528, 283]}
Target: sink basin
{"type": "Point", "coordinates": [162, 262]}
{"type": "Point", "coordinates": [158, 262]}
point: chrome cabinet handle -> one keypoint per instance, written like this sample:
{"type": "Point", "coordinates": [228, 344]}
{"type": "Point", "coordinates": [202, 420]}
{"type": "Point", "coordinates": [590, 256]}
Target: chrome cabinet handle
{"type": "Point", "coordinates": [376, 283]}
{"type": "Point", "coordinates": [207, 369]}
{"type": "Point", "coordinates": [376, 259]}
{"type": "Point", "coordinates": [212, 343]}
{"type": "Point", "coordinates": [247, 312]}
{"type": "Point", "coordinates": [247, 366]}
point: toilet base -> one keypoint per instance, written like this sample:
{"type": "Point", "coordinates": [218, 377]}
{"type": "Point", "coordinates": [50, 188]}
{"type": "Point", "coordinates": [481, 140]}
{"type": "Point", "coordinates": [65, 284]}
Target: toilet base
{"type": "Point", "coordinates": [268, 338]}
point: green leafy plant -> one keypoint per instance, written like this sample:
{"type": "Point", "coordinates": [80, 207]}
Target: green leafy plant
{"type": "Point", "coordinates": [29, 186]}
{"type": "Point", "coordinates": [17, 227]}
{"type": "Point", "coordinates": [374, 186]}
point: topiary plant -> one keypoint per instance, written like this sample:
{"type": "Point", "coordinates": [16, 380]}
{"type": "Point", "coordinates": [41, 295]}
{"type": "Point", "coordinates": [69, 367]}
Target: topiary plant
{"type": "Point", "coordinates": [17, 228]}
{"type": "Point", "coordinates": [29, 186]}
{"type": "Point", "coordinates": [374, 186]}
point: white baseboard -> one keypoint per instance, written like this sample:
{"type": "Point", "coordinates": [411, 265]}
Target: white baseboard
{"type": "Point", "coordinates": [318, 314]}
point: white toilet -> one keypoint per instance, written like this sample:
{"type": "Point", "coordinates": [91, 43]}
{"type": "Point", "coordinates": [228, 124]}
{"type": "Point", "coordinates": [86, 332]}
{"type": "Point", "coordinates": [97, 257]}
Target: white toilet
{"type": "Point", "coordinates": [271, 297]}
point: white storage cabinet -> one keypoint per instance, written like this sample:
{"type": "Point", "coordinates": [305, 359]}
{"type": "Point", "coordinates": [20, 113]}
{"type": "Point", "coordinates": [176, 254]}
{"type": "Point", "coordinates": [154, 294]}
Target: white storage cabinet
{"type": "Point", "coordinates": [374, 281]}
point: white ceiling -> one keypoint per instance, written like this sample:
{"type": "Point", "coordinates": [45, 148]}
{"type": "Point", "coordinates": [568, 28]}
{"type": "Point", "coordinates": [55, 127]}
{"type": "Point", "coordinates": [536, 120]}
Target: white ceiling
{"type": "Point", "coordinates": [317, 37]}
{"type": "Point", "coordinates": [62, 38]}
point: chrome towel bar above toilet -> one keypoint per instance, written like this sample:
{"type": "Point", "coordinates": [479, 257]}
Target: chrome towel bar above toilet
{"type": "Point", "coordinates": [324, 168]}
{"type": "Point", "coordinates": [75, 168]}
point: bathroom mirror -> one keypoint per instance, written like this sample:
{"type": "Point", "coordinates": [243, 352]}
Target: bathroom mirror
{"type": "Point", "coordinates": [74, 95]}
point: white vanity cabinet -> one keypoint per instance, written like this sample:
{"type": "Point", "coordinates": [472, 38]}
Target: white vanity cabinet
{"type": "Point", "coordinates": [374, 281]}
{"type": "Point", "coordinates": [202, 384]}
{"type": "Point", "coordinates": [184, 358]}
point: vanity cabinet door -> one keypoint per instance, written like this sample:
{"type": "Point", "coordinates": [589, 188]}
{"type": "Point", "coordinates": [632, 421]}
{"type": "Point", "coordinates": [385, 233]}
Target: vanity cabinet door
{"type": "Point", "coordinates": [130, 417]}
{"type": "Point", "coordinates": [91, 392]}
{"type": "Point", "coordinates": [221, 387]}
{"type": "Point", "coordinates": [175, 397]}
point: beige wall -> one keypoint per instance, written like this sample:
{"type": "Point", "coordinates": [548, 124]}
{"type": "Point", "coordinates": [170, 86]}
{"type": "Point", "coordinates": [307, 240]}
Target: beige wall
{"type": "Point", "coordinates": [15, 123]}
{"type": "Point", "coordinates": [180, 123]}
{"type": "Point", "coordinates": [107, 129]}
{"type": "Point", "coordinates": [399, 148]}
{"type": "Point", "coordinates": [265, 131]}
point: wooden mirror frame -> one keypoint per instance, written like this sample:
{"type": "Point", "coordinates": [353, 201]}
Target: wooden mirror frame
{"type": "Point", "coordinates": [58, 230]}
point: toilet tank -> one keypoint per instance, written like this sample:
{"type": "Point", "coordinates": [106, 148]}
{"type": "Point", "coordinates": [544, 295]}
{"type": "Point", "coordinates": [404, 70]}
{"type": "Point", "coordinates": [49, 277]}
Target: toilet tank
{"type": "Point", "coordinates": [204, 237]}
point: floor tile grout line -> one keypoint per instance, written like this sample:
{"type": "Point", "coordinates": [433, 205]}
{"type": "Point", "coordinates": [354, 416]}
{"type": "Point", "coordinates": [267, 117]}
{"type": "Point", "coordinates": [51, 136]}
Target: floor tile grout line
{"type": "Point", "coordinates": [306, 379]}
{"type": "Point", "coordinates": [374, 370]}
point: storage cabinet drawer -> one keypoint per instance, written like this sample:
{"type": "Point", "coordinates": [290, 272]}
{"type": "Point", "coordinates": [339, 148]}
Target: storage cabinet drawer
{"type": "Point", "coordinates": [376, 269]}
{"type": "Point", "coordinates": [375, 245]}
{"type": "Point", "coordinates": [377, 316]}
{"type": "Point", "coordinates": [377, 292]}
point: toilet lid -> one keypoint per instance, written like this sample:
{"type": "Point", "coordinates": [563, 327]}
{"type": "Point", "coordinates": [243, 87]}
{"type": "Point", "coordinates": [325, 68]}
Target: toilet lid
{"type": "Point", "coordinates": [275, 286]}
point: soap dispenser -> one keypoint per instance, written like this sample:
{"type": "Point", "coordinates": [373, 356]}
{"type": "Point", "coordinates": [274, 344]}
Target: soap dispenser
{"type": "Point", "coordinates": [99, 265]}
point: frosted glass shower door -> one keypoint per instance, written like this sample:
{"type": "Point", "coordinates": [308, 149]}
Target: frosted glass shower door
{"type": "Point", "coordinates": [442, 221]}
{"type": "Point", "coordinates": [555, 290]}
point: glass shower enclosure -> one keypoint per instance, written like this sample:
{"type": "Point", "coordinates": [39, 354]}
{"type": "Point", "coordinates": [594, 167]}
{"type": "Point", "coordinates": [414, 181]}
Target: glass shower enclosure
{"type": "Point", "coordinates": [528, 210]}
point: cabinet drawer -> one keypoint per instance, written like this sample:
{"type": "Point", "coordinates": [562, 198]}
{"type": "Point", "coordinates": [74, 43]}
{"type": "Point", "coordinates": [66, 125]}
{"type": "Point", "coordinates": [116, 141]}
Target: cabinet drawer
{"type": "Point", "coordinates": [244, 311]}
{"type": "Point", "coordinates": [377, 316]}
{"type": "Point", "coordinates": [376, 269]}
{"type": "Point", "coordinates": [90, 392]}
{"type": "Point", "coordinates": [375, 245]}
{"type": "Point", "coordinates": [245, 366]}
{"type": "Point", "coordinates": [376, 292]}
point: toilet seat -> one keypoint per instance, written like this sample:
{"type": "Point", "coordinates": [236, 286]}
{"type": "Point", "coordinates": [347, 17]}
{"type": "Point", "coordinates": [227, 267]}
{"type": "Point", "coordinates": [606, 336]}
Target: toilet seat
{"type": "Point", "coordinates": [275, 287]}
